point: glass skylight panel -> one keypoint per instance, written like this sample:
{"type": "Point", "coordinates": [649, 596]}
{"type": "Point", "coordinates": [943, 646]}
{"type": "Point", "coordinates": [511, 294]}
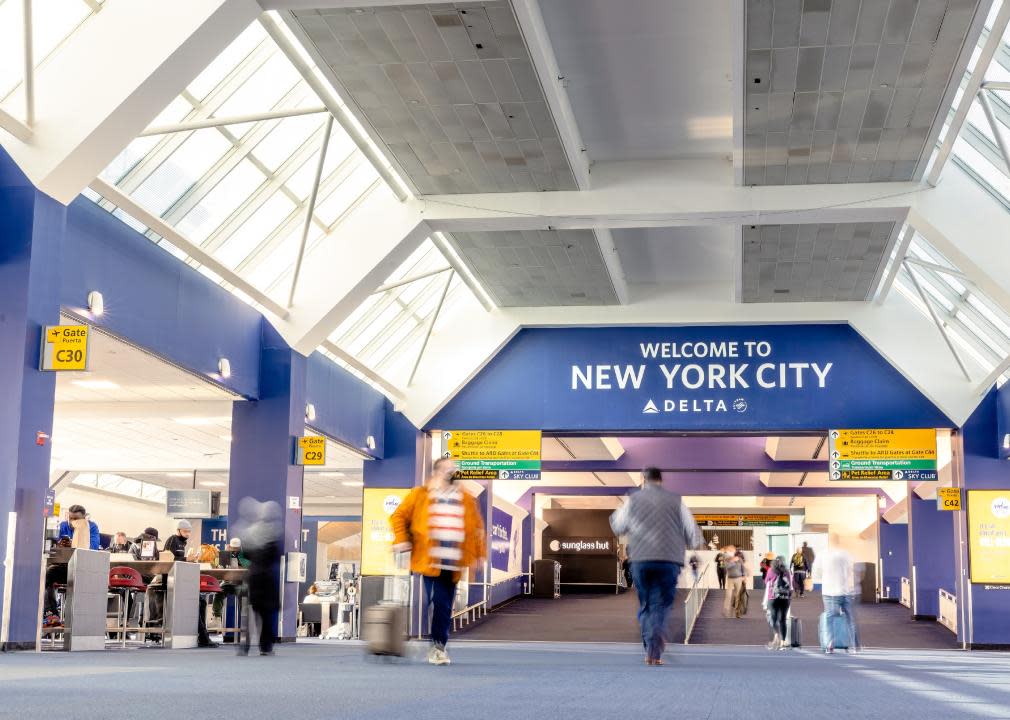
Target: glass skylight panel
{"type": "Point", "coordinates": [227, 61]}
{"type": "Point", "coordinates": [181, 170]}
{"type": "Point", "coordinates": [220, 202]}
{"type": "Point", "coordinates": [286, 137]}
{"type": "Point", "coordinates": [255, 229]}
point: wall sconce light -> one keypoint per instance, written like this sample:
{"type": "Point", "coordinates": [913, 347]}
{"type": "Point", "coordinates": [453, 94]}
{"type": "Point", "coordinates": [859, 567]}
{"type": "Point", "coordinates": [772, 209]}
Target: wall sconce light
{"type": "Point", "coordinates": [96, 303]}
{"type": "Point", "coordinates": [370, 442]}
{"type": "Point", "coordinates": [224, 368]}
{"type": "Point", "coordinates": [310, 412]}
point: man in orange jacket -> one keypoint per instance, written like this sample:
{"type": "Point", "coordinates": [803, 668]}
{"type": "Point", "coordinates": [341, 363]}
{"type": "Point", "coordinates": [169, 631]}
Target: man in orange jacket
{"type": "Point", "coordinates": [440, 526]}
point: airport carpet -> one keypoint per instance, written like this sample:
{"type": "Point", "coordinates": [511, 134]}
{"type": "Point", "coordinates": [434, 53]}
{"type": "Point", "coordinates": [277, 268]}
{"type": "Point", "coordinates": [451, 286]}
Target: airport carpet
{"type": "Point", "coordinates": [504, 681]}
{"type": "Point", "coordinates": [571, 618]}
{"type": "Point", "coordinates": [881, 625]}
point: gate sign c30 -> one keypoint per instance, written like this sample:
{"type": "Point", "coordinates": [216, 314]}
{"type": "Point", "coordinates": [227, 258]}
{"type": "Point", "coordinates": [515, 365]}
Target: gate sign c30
{"type": "Point", "coordinates": [494, 454]}
{"type": "Point", "coordinates": [882, 454]}
{"type": "Point", "coordinates": [64, 347]}
{"type": "Point", "coordinates": [311, 450]}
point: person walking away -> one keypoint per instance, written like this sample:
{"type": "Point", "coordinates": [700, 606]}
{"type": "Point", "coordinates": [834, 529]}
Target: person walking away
{"type": "Point", "coordinates": [720, 569]}
{"type": "Point", "coordinates": [778, 596]}
{"type": "Point", "coordinates": [660, 529]}
{"type": "Point", "coordinates": [735, 582]}
{"type": "Point", "coordinates": [808, 555]}
{"type": "Point", "coordinates": [260, 531]}
{"type": "Point", "coordinates": [798, 567]}
{"type": "Point", "coordinates": [836, 574]}
{"type": "Point", "coordinates": [440, 526]}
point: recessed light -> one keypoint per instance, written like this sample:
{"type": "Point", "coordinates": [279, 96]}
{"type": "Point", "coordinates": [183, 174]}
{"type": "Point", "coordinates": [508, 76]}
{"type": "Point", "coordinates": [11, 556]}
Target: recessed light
{"type": "Point", "coordinates": [95, 384]}
{"type": "Point", "coordinates": [330, 473]}
{"type": "Point", "coordinates": [225, 437]}
{"type": "Point", "coordinates": [201, 420]}
{"type": "Point", "coordinates": [352, 483]}
{"type": "Point", "coordinates": [212, 483]}
{"type": "Point", "coordinates": [180, 474]}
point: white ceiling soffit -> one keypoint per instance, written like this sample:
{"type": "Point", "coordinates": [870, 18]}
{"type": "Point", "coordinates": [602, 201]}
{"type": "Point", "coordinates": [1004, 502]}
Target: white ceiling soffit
{"type": "Point", "coordinates": [814, 263]}
{"type": "Point", "coordinates": [529, 268]}
{"type": "Point", "coordinates": [849, 92]}
{"type": "Point", "coordinates": [449, 89]}
{"type": "Point", "coordinates": [587, 502]}
{"type": "Point", "coordinates": [646, 78]}
{"type": "Point", "coordinates": [581, 448]}
{"type": "Point", "coordinates": [788, 447]}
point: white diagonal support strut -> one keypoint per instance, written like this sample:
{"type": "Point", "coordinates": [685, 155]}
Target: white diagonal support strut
{"type": "Point", "coordinates": [995, 126]}
{"type": "Point", "coordinates": [310, 208]}
{"type": "Point", "coordinates": [408, 280]}
{"type": "Point", "coordinates": [431, 327]}
{"type": "Point", "coordinates": [971, 89]}
{"type": "Point", "coordinates": [29, 58]}
{"type": "Point", "coordinates": [233, 120]}
{"type": "Point", "coordinates": [128, 205]}
{"type": "Point", "coordinates": [936, 320]}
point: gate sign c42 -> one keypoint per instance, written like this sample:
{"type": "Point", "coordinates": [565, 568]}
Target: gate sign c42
{"type": "Point", "coordinates": [882, 454]}
{"type": "Point", "coordinates": [65, 347]}
{"type": "Point", "coordinates": [311, 450]}
{"type": "Point", "coordinates": [494, 454]}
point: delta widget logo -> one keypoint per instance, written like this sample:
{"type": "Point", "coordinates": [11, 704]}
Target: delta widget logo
{"type": "Point", "coordinates": [1000, 508]}
{"type": "Point", "coordinates": [740, 405]}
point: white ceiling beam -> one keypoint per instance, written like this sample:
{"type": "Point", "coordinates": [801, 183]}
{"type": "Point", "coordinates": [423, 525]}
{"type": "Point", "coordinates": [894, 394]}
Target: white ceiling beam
{"type": "Point", "coordinates": [552, 80]}
{"type": "Point", "coordinates": [611, 258]}
{"type": "Point", "coordinates": [233, 120]}
{"type": "Point", "coordinates": [280, 5]}
{"type": "Point", "coordinates": [111, 78]}
{"type": "Point", "coordinates": [154, 409]}
{"type": "Point", "coordinates": [738, 12]}
{"type": "Point", "coordinates": [887, 282]}
{"type": "Point", "coordinates": [664, 193]}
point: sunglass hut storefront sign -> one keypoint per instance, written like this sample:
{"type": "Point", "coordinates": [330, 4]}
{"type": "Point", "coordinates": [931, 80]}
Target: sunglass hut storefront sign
{"type": "Point", "coordinates": [702, 376]}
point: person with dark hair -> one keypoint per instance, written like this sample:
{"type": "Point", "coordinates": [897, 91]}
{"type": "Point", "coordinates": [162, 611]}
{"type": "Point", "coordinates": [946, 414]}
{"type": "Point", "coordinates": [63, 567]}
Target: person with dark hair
{"type": "Point", "coordinates": [77, 532]}
{"type": "Point", "coordinates": [440, 526]}
{"type": "Point", "coordinates": [778, 596]}
{"type": "Point", "coordinates": [660, 529]}
{"type": "Point", "coordinates": [263, 545]}
{"type": "Point", "coordinates": [720, 568]}
{"type": "Point", "coordinates": [799, 568]}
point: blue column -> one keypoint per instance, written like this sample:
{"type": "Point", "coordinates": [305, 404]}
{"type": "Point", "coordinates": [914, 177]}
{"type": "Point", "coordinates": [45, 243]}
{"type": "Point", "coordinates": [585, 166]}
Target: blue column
{"type": "Point", "coordinates": [31, 234]}
{"type": "Point", "coordinates": [262, 449]}
{"type": "Point", "coordinates": [893, 558]}
{"type": "Point", "coordinates": [402, 463]}
{"type": "Point", "coordinates": [985, 468]}
{"type": "Point", "coordinates": [932, 555]}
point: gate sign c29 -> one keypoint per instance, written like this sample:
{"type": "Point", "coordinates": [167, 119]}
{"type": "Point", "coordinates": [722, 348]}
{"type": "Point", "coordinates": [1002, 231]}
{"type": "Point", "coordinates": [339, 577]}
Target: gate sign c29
{"type": "Point", "coordinates": [64, 347]}
{"type": "Point", "coordinates": [311, 450]}
{"type": "Point", "coordinates": [882, 454]}
{"type": "Point", "coordinates": [494, 454]}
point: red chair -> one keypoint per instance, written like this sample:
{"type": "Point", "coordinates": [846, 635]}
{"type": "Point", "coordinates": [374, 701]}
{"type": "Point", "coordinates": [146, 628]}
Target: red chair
{"type": "Point", "coordinates": [209, 585]}
{"type": "Point", "coordinates": [125, 582]}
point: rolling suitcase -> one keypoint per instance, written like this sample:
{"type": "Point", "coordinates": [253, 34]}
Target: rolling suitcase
{"type": "Point", "coordinates": [833, 631]}
{"type": "Point", "coordinates": [794, 632]}
{"type": "Point", "coordinates": [384, 625]}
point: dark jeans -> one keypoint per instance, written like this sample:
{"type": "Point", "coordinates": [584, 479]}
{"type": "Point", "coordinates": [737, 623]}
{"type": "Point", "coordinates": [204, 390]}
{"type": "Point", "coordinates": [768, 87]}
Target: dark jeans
{"type": "Point", "coordinates": [203, 637]}
{"type": "Point", "coordinates": [441, 591]}
{"type": "Point", "coordinates": [779, 610]}
{"type": "Point", "coordinates": [266, 619]}
{"type": "Point", "coordinates": [800, 582]}
{"type": "Point", "coordinates": [721, 574]}
{"type": "Point", "coordinates": [54, 574]}
{"type": "Point", "coordinates": [656, 582]}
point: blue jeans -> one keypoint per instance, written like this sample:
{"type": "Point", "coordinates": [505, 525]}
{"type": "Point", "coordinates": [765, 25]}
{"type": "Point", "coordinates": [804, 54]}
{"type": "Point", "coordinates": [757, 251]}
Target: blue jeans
{"type": "Point", "coordinates": [656, 583]}
{"type": "Point", "coordinates": [441, 591]}
{"type": "Point", "coordinates": [844, 605]}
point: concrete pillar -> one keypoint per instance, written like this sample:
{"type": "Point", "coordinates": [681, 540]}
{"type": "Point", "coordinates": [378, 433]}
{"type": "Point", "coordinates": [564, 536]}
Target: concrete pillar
{"type": "Point", "coordinates": [932, 555]}
{"type": "Point", "coordinates": [262, 450]}
{"type": "Point", "coordinates": [31, 233]}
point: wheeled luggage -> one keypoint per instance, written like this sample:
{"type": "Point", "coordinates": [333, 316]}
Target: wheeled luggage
{"type": "Point", "coordinates": [834, 631]}
{"type": "Point", "coordinates": [794, 632]}
{"type": "Point", "coordinates": [384, 629]}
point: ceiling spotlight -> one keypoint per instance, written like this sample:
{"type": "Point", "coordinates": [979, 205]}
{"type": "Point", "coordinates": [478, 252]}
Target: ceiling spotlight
{"type": "Point", "coordinates": [96, 303]}
{"type": "Point", "coordinates": [224, 368]}
{"type": "Point", "coordinates": [310, 412]}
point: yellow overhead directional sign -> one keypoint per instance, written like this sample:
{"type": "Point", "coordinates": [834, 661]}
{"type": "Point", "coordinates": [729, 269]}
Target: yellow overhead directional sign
{"type": "Point", "coordinates": [948, 498]}
{"type": "Point", "coordinates": [492, 444]}
{"type": "Point", "coordinates": [311, 450]}
{"type": "Point", "coordinates": [890, 444]}
{"type": "Point", "coordinates": [989, 536]}
{"type": "Point", "coordinates": [64, 347]}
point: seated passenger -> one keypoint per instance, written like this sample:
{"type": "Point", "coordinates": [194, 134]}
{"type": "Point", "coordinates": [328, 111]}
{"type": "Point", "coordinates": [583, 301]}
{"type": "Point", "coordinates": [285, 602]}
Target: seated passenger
{"type": "Point", "coordinates": [120, 544]}
{"type": "Point", "coordinates": [177, 543]}
{"type": "Point", "coordinates": [78, 532]}
{"type": "Point", "coordinates": [146, 545]}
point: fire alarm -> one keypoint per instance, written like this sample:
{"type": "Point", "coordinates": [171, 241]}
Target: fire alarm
{"type": "Point", "coordinates": [40, 438]}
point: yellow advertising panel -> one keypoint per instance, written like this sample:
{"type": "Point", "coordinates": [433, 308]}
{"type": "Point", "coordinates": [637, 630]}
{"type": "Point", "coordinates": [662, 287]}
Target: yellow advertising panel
{"type": "Point", "coordinates": [989, 536]}
{"type": "Point", "coordinates": [65, 347]}
{"type": "Point", "coordinates": [376, 533]}
{"type": "Point", "coordinates": [492, 444]}
{"type": "Point", "coordinates": [948, 498]}
{"type": "Point", "coordinates": [311, 450]}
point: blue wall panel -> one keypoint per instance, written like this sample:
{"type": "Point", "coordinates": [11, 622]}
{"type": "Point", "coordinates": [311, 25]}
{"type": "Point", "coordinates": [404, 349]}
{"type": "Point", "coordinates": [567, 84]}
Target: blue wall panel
{"type": "Point", "coordinates": [347, 409]}
{"type": "Point", "coordinates": [402, 463]}
{"type": "Point", "coordinates": [539, 380]}
{"type": "Point", "coordinates": [894, 557]}
{"type": "Point", "coordinates": [157, 302]}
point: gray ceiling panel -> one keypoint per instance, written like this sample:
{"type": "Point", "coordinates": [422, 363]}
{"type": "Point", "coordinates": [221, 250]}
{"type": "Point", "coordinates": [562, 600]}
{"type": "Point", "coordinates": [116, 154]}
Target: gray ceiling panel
{"type": "Point", "coordinates": [538, 268]}
{"type": "Point", "coordinates": [851, 69]}
{"type": "Point", "coordinates": [450, 89]}
{"type": "Point", "coordinates": [814, 263]}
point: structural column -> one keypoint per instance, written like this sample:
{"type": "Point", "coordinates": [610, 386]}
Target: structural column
{"type": "Point", "coordinates": [31, 232]}
{"type": "Point", "coordinates": [894, 563]}
{"type": "Point", "coordinates": [262, 452]}
{"type": "Point", "coordinates": [931, 554]}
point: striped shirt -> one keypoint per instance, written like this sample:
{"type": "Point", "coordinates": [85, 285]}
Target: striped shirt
{"type": "Point", "coordinates": [445, 528]}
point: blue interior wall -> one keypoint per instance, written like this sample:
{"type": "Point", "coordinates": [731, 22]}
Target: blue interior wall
{"type": "Point", "coordinates": [157, 302]}
{"type": "Point", "coordinates": [402, 462]}
{"type": "Point", "coordinates": [346, 408]}
{"type": "Point", "coordinates": [894, 557]}
{"type": "Point", "coordinates": [933, 554]}
{"type": "Point", "coordinates": [985, 469]}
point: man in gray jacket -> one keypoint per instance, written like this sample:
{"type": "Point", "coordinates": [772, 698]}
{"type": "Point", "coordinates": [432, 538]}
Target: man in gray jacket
{"type": "Point", "coordinates": [660, 529]}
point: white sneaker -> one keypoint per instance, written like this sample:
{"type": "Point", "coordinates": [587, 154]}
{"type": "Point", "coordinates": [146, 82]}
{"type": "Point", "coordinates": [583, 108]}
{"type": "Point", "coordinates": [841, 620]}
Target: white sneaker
{"type": "Point", "coordinates": [433, 655]}
{"type": "Point", "coordinates": [441, 657]}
